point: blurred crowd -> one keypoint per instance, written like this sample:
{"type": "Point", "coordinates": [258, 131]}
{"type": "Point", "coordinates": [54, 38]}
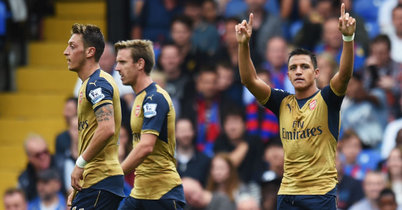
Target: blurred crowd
{"type": "Point", "coordinates": [228, 149]}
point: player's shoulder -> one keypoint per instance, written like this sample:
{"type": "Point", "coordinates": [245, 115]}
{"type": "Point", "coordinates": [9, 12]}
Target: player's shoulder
{"type": "Point", "coordinates": [100, 79]}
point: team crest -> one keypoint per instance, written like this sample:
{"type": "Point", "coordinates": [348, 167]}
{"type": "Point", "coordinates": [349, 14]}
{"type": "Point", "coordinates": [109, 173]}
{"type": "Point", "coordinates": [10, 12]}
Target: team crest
{"type": "Point", "coordinates": [80, 98]}
{"type": "Point", "coordinates": [137, 110]}
{"type": "Point", "coordinates": [150, 110]}
{"type": "Point", "coordinates": [313, 104]}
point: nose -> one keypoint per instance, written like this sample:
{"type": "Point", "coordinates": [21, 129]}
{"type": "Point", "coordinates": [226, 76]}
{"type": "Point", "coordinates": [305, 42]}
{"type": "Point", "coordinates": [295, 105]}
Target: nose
{"type": "Point", "coordinates": [66, 51]}
{"type": "Point", "coordinates": [298, 70]}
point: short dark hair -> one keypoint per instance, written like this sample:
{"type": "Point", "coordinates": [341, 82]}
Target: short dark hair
{"type": "Point", "coordinates": [386, 192]}
{"type": "Point", "coordinates": [301, 51]}
{"type": "Point", "coordinates": [186, 20]}
{"type": "Point", "coordinates": [233, 110]}
{"type": "Point", "coordinates": [92, 37]}
{"type": "Point", "coordinates": [382, 38]}
{"type": "Point", "coordinates": [12, 191]}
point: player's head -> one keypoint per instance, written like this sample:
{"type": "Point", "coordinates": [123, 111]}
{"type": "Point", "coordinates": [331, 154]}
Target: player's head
{"type": "Point", "coordinates": [133, 57]}
{"type": "Point", "coordinates": [86, 43]}
{"type": "Point", "coordinates": [302, 69]}
{"type": "Point", "coordinates": [14, 199]}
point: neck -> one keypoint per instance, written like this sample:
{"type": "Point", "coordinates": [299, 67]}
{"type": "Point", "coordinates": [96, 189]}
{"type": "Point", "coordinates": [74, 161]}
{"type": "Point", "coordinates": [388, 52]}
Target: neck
{"type": "Point", "coordinates": [301, 94]}
{"type": "Point", "coordinates": [50, 200]}
{"type": "Point", "coordinates": [87, 70]}
{"type": "Point", "coordinates": [185, 150]}
{"type": "Point", "coordinates": [141, 83]}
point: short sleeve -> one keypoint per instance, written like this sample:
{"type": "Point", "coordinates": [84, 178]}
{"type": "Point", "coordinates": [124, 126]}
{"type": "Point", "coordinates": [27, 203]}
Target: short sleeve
{"type": "Point", "coordinates": [275, 99]}
{"type": "Point", "coordinates": [155, 109]}
{"type": "Point", "coordinates": [99, 92]}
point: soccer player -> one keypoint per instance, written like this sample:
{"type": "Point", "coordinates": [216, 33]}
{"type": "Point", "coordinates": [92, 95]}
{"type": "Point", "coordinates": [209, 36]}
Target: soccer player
{"type": "Point", "coordinates": [157, 184]}
{"type": "Point", "coordinates": [309, 119]}
{"type": "Point", "coordinates": [97, 175]}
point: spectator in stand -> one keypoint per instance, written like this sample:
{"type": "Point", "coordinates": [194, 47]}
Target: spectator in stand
{"type": "Point", "coordinates": [69, 157]}
{"type": "Point", "coordinates": [395, 34]}
{"type": "Point", "coordinates": [387, 201]}
{"type": "Point", "coordinates": [14, 199]}
{"type": "Point", "coordinates": [223, 178]}
{"type": "Point", "coordinates": [332, 43]}
{"type": "Point", "coordinates": [176, 80]}
{"type": "Point", "coordinates": [276, 57]}
{"type": "Point", "coordinates": [190, 162]}
{"type": "Point", "coordinates": [205, 35]}
{"type": "Point", "coordinates": [245, 152]}
{"type": "Point", "coordinates": [199, 198]}
{"type": "Point", "coordinates": [49, 195]}
{"type": "Point", "coordinates": [205, 108]}
{"type": "Point", "coordinates": [147, 25]}
{"type": "Point", "coordinates": [260, 121]}
{"type": "Point", "coordinates": [364, 112]}
{"type": "Point", "coordinates": [39, 159]}
{"type": "Point", "coordinates": [356, 160]}
{"type": "Point", "coordinates": [374, 182]}
{"type": "Point", "coordinates": [181, 32]}
{"type": "Point", "coordinates": [63, 140]}
{"type": "Point", "coordinates": [211, 15]}
{"type": "Point", "coordinates": [228, 50]}
{"type": "Point", "coordinates": [349, 189]}
{"type": "Point", "coordinates": [394, 166]}
{"type": "Point", "coordinates": [328, 67]}
{"type": "Point", "coordinates": [229, 83]}
{"type": "Point", "coordinates": [265, 26]}
{"type": "Point", "coordinates": [273, 160]}
{"type": "Point", "coordinates": [381, 71]}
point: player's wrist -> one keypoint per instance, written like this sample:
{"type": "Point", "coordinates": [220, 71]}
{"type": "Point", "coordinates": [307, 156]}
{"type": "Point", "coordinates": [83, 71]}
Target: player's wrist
{"type": "Point", "coordinates": [348, 38]}
{"type": "Point", "coordinates": [81, 162]}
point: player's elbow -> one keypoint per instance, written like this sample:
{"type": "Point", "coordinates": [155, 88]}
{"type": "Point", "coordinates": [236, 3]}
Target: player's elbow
{"type": "Point", "coordinates": [107, 130]}
{"type": "Point", "coordinates": [148, 149]}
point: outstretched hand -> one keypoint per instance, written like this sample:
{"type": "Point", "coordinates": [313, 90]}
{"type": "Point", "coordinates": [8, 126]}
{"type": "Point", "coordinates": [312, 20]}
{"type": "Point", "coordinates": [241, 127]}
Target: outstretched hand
{"type": "Point", "coordinates": [347, 24]}
{"type": "Point", "coordinates": [244, 30]}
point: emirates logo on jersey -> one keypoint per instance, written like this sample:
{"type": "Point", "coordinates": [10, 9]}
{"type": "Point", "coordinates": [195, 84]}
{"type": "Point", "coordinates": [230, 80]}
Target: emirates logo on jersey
{"type": "Point", "coordinates": [313, 104]}
{"type": "Point", "coordinates": [137, 110]}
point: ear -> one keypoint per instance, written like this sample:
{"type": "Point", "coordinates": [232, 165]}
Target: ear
{"type": "Point", "coordinates": [316, 73]}
{"type": "Point", "coordinates": [141, 63]}
{"type": "Point", "coordinates": [90, 52]}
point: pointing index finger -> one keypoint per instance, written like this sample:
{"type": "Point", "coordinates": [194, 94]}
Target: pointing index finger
{"type": "Point", "coordinates": [343, 10]}
{"type": "Point", "coordinates": [250, 19]}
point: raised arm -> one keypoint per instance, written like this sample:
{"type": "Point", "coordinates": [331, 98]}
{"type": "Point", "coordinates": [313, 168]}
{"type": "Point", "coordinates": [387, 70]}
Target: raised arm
{"type": "Point", "coordinates": [248, 74]}
{"type": "Point", "coordinates": [347, 26]}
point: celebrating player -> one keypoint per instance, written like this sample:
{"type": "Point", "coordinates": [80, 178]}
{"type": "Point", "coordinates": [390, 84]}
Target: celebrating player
{"type": "Point", "coordinates": [309, 119]}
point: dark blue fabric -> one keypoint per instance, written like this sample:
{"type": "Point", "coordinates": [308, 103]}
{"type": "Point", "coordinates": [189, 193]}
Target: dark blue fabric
{"type": "Point", "coordinates": [92, 92]}
{"type": "Point", "coordinates": [90, 198]}
{"type": "Point", "coordinates": [156, 121]}
{"type": "Point", "coordinates": [334, 103]}
{"type": "Point", "coordinates": [275, 100]}
{"type": "Point", "coordinates": [113, 184]}
{"type": "Point", "coordinates": [131, 203]}
{"type": "Point", "coordinates": [307, 202]}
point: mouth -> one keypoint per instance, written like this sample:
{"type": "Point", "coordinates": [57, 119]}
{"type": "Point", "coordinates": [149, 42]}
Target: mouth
{"type": "Point", "coordinates": [299, 80]}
